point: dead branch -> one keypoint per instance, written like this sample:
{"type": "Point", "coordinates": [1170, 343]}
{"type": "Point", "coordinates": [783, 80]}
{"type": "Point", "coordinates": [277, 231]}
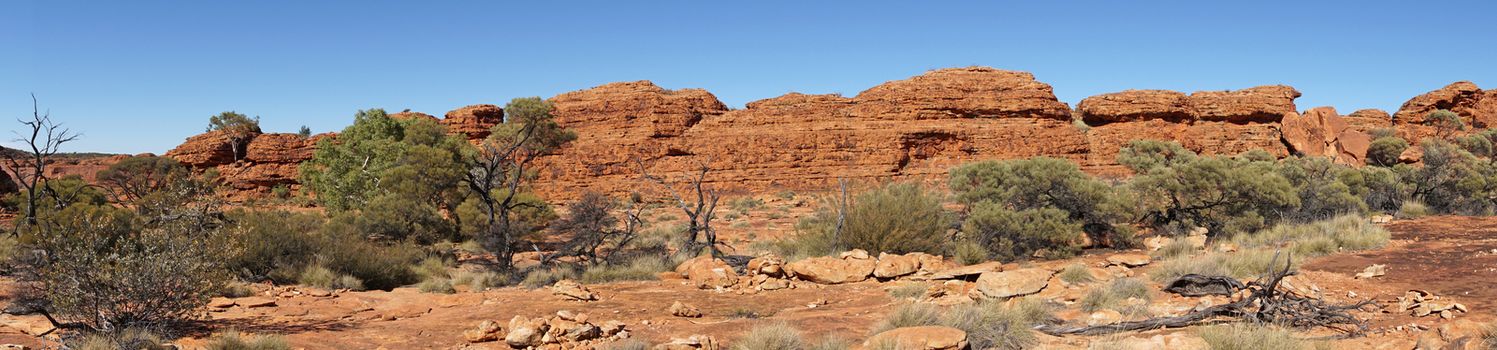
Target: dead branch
{"type": "Point", "coordinates": [1264, 303]}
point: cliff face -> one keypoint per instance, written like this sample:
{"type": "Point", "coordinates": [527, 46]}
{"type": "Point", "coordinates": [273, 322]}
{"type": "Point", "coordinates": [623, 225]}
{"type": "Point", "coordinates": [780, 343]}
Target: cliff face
{"type": "Point", "coordinates": [915, 128]}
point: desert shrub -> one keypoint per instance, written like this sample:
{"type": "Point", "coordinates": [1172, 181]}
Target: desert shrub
{"type": "Point", "coordinates": [995, 325]}
{"type": "Point", "coordinates": [1343, 233]}
{"type": "Point", "coordinates": [70, 189]}
{"type": "Point", "coordinates": [479, 281]}
{"type": "Point", "coordinates": [322, 277]}
{"type": "Point", "coordinates": [641, 268]}
{"type": "Point", "coordinates": [236, 341]}
{"type": "Point", "coordinates": [1245, 263]}
{"type": "Point", "coordinates": [1044, 183]}
{"type": "Point", "coordinates": [1175, 249]}
{"type": "Point", "coordinates": [1324, 188]}
{"type": "Point", "coordinates": [1412, 209]}
{"type": "Point", "coordinates": [1109, 296]}
{"type": "Point", "coordinates": [1478, 144]}
{"type": "Point", "coordinates": [134, 339]}
{"type": "Point", "coordinates": [1015, 234]}
{"type": "Point", "coordinates": [1383, 190]}
{"type": "Point", "coordinates": [746, 204]}
{"type": "Point", "coordinates": [894, 218]}
{"type": "Point", "coordinates": [235, 289]}
{"type": "Point", "coordinates": [1143, 156]}
{"type": "Point", "coordinates": [908, 290]}
{"type": "Point", "coordinates": [968, 252]}
{"type": "Point", "coordinates": [396, 218]}
{"type": "Point", "coordinates": [1445, 122]}
{"type": "Point", "coordinates": [1076, 273]}
{"type": "Point", "coordinates": [436, 285]}
{"type": "Point", "coordinates": [830, 343]}
{"type": "Point", "coordinates": [773, 336]}
{"type": "Point", "coordinates": [592, 228]}
{"type": "Point", "coordinates": [170, 268]}
{"type": "Point", "coordinates": [431, 267]}
{"type": "Point", "coordinates": [273, 244]}
{"type": "Point", "coordinates": [1451, 180]}
{"type": "Point", "coordinates": [628, 344]}
{"type": "Point", "coordinates": [1384, 151]}
{"type": "Point", "coordinates": [134, 178]}
{"type": "Point", "coordinates": [541, 277]}
{"type": "Point", "coordinates": [530, 214]}
{"type": "Point", "coordinates": [1224, 195]}
{"type": "Point", "coordinates": [380, 265]}
{"type": "Point", "coordinates": [1248, 336]}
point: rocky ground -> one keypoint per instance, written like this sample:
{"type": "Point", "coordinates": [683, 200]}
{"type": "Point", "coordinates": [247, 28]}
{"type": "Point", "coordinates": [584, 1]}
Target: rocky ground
{"type": "Point", "coordinates": [1450, 257]}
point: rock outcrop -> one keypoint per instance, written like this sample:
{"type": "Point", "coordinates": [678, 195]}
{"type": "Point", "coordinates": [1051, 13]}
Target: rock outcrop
{"type": "Point", "coordinates": [1477, 108]}
{"type": "Point", "coordinates": [1207, 122]}
{"type": "Point", "coordinates": [249, 163]}
{"type": "Point", "coordinates": [474, 121]}
{"type": "Point", "coordinates": [1321, 132]}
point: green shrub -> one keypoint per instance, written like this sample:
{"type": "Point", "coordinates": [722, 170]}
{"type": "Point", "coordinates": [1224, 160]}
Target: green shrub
{"type": "Point", "coordinates": [1383, 190]}
{"type": "Point", "coordinates": [274, 244]}
{"type": "Point", "coordinates": [773, 336]}
{"type": "Point", "coordinates": [641, 268]}
{"type": "Point", "coordinates": [1384, 151]}
{"type": "Point", "coordinates": [1109, 296]}
{"type": "Point", "coordinates": [1324, 188]}
{"type": "Point", "coordinates": [1011, 234]}
{"type": "Point", "coordinates": [1412, 210]}
{"type": "Point", "coordinates": [134, 339]}
{"type": "Point", "coordinates": [1479, 145]}
{"type": "Point", "coordinates": [895, 218]}
{"type": "Point", "coordinates": [910, 315]}
{"type": "Point", "coordinates": [1044, 183]}
{"type": "Point", "coordinates": [437, 285]}
{"type": "Point", "coordinates": [830, 343]}
{"type": "Point", "coordinates": [1224, 195]}
{"type": "Point", "coordinates": [1076, 273]}
{"type": "Point", "coordinates": [1451, 180]}
{"type": "Point", "coordinates": [542, 277]}
{"type": "Point", "coordinates": [1245, 263]}
{"type": "Point", "coordinates": [1143, 156]}
{"type": "Point", "coordinates": [236, 290]}
{"type": "Point", "coordinates": [1445, 122]}
{"type": "Point", "coordinates": [322, 277]}
{"type": "Point", "coordinates": [994, 325]}
{"type": "Point", "coordinates": [1175, 249]}
{"type": "Point", "coordinates": [479, 281]}
{"type": "Point", "coordinates": [907, 290]}
{"type": "Point", "coordinates": [431, 268]}
{"type": "Point", "coordinates": [746, 204]}
{"type": "Point", "coordinates": [968, 252]}
{"type": "Point", "coordinates": [1248, 336]}
{"type": "Point", "coordinates": [1343, 233]}
{"type": "Point", "coordinates": [235, 341]}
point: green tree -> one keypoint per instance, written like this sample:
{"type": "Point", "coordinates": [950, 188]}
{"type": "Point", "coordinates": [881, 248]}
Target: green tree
{"type": "Point", "coordinates": [1446, 123]}
{"type": "Point", "coordinates": [346, 170]}
{"type": "Point", "coordinates": [501, 167]}
{"type": "Point", "coordinates": [1324, 188]}
{"type": "Point", "coordinates": [1452, 180]}
{"type": "Point", "coordinates": [1385, 151]}
{"type": "Point", "coordinates": [240, 129]}
{"type": "Point", "coordinates": [304, 132]}
{"type": "Point", "coordinates": [1224, 195]}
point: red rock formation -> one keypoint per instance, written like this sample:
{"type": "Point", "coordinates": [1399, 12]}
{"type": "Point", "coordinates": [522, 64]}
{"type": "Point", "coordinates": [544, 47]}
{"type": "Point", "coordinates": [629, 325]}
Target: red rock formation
{"type": "Point", "coordinates": [408, 114]}
{"type": "Point", "coordinates": [1321, 132]}
{"type": "Point", "coordinates": [1207, 122]}
{"type": "Point", "coordinates": [269, 160]}
{"type": "Point", "coordinates": [473, 121]}
{"type": "Point", "coordinates": [1477, 108]}
{"type": "Point", "coordinates": [972, 92]}
{"type": "Point", "coordinates": [1367, 120]}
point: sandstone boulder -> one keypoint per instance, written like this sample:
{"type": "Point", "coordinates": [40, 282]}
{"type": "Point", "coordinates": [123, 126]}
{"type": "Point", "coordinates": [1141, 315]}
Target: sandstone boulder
{"type": "Point", "coordinates": [964, 272]}
{"type": "Point", "coordinates": [1367, 120]}
{"type": "Point", "coordinates": [525, 332]}
{"type": "Point", "coordinates": [971, 92]}
{"type": "Point", "coordinates": [571, 290]}
{"type": "Point", "coordinates": [408, 114]}
{"type": "Point", "coordinates": [486, 331]}
{"type": "Point", "coordinates": [919, 338]}
{"type": "Point", "coordinates": [892, 265]}
{"type": "Point", "coordinates": [1129, 259]}
{"type": "Point", "coordinates": [680, 309]}
{"type": "Point", "coordinates": [1262, 104]}
{"type": "Point", "coordinates": [209, 149]}
{"type": "Point", "coordinates": [1012, 283]}
{"type": "Point", "coordinates": [830, 270]}
{"type": "Point", "coordinates": [1135, 105]}
{"type": "Point", "coordinates": [769, 265]}
{"type": "Point", "coordinates": [694, 342]}
{"type": "Point", "coordinates": [708, 272]}
{"type": "Point", "coordinates": [1321, 132]}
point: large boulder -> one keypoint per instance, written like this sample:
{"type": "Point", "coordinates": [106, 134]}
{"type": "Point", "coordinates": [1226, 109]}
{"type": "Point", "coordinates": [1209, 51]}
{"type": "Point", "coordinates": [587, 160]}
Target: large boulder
{"type": "Point", "coordinates": [1012, 283]}
{"type": "Point", "coordinates": [833, 270]}
{"type": "Point", "coordinates": [208, 149]}
{"type": "Point", "coordinates": [1207, 122]}
{"type": "Point", "coordinates": [524, 332]}
{"type": "Point", "coordinates": [1321, 132]}
{"type": "Point", "coordinates": [1135, 105]}
{"type": "Point", "coordinates": [708, 272]}
{"type": "Point", "coordinates": [970, 92]}
{"type": "Point", "coordinates": [918, 338]}
{"type": "Point", "coordinates": [894, 265]}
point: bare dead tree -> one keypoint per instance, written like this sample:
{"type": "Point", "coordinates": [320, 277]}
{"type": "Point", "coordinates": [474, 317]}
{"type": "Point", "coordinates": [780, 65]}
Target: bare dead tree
{"type": "Point", "coordinates": [699, 211]}
{"type": "Point", "coordinates": [593, 226]}
{"type": "Point", "coordinates": [1264, 303]}
{"type": "Point", "coordinates": [29, 166]}
{"type": "Point", "coordinates": [500, 166]}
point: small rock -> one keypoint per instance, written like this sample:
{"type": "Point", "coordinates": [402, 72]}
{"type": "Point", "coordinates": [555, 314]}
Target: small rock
{"type": "Point", "coordinates": [526, 332]}
{"type": "Point", "coordinates": [768, 265]}
{"type": "Point", "coordinates": [253, 302]}
{"type": "Point", "coordinates": [1376, 270]}
{"type": "Point", "coordinates": [1129, 260]}
{"type": "Point", "coordinates": [566, 315]}
{"type": "Point", "coordinates": [1008, 284]}
{"type": "Point", "coordinates": [680, 309]}
{"type": "Point", "coordinates": [221, 303]}
{"type": "Point", "coordinates": [487, 331]}
{"type": "Point", "coordinates": [571, 290]}
{"type": "Point", "coordinates": [969, 270]}
{"type": "Point", "coordinates": [695, 342]}
{"type": "Point", "coordinates": [855, 254]}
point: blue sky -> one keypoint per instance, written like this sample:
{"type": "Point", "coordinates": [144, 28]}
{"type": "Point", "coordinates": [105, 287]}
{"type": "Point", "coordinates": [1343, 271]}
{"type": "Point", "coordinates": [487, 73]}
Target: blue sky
{"type": "Point", "coordinates": [140, 76]}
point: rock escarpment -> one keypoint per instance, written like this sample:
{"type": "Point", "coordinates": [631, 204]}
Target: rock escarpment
{"type": "Point", "coordinates": [916, 128]}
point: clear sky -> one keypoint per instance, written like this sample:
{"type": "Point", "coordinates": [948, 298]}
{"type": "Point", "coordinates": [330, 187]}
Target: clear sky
{"type": "Point", "coordinates": [140, 76]}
